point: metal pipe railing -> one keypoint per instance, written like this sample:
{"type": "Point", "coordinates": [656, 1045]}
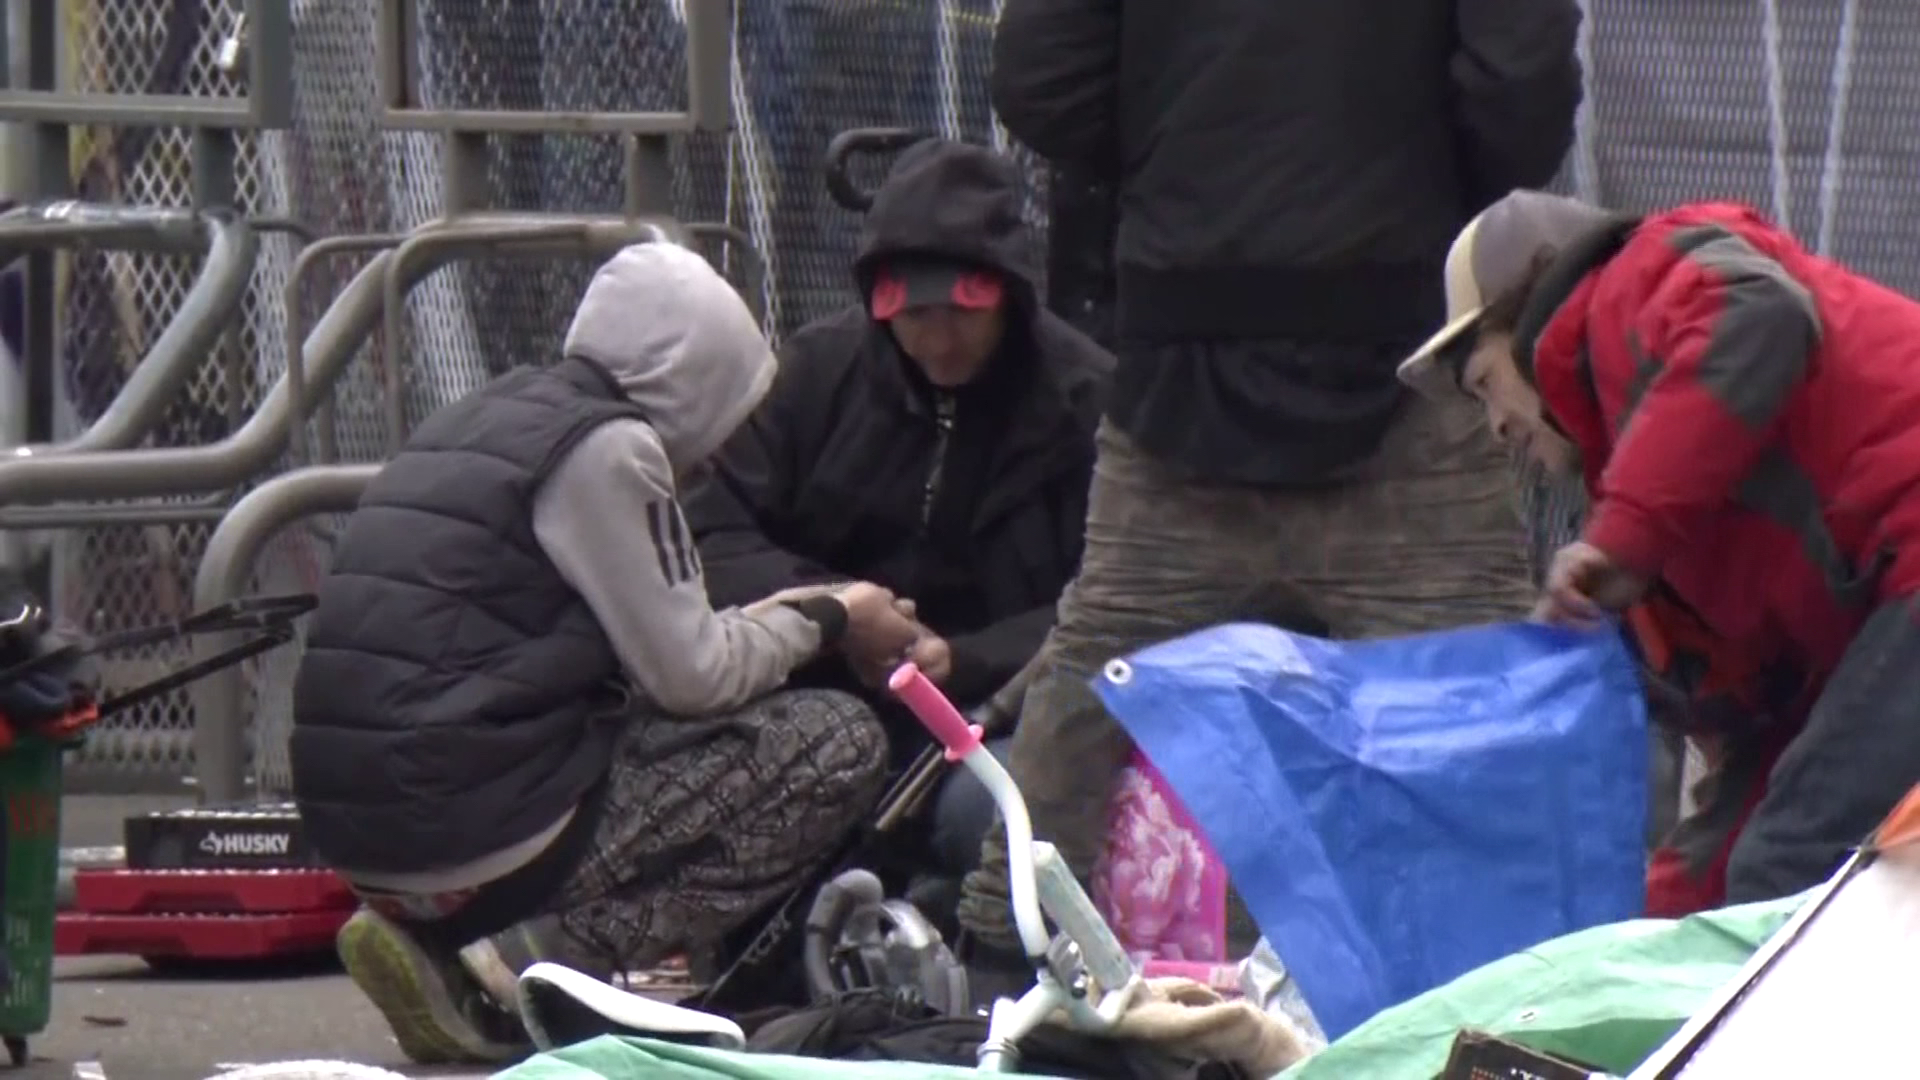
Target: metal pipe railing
{"type": "Point", "coordinates": [211, 305]}
{"type": "Point", "coordinates": [330, 346]}
{"type": "Point", "coordinates": [220, 699]}
{"type": "Point", "coordinates": [296, 376]}
{"type": "Point", "coordinates": [420, 247]}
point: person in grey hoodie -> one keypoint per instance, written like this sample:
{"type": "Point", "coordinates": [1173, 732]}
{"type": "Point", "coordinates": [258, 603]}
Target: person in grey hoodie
{"type": "Point", "coordinates": [521, 731]}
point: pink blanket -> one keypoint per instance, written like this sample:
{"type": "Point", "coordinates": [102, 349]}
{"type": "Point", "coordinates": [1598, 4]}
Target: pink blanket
{"type": "Point", "coordinates": [1160, 885]}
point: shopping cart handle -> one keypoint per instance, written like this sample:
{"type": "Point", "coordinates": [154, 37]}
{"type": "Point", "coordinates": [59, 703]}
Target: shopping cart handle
{"type": "Point", "coordinates": [934, 711]}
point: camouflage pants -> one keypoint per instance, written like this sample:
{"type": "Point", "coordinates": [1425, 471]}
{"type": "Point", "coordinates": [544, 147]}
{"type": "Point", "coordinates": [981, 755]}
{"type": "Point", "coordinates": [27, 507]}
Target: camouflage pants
{"type": "Point", "coordinates": [1423, 535]}
{"type": "Point", "coordinates": [757, 798]}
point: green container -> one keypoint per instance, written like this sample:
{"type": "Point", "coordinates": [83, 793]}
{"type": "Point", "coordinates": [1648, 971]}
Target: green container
{"type": "Point", "coordinates": [29, 880]}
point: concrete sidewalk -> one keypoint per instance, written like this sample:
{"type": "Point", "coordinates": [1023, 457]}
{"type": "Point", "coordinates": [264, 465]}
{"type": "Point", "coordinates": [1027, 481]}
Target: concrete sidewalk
{"type": "Point", "coordinates": [140, 1024]}
{"type": "Point", "coordinates": [137, 1024]}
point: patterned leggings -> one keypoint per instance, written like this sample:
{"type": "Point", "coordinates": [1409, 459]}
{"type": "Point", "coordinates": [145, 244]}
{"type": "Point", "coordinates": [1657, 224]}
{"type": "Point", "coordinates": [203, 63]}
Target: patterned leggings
{"type": "Point", "coordinates": [759, 797]}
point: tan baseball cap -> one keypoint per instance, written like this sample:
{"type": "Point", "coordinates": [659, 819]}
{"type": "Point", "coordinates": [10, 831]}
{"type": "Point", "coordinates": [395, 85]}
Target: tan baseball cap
{"type": "Point", "coordinates": [1491, 256]}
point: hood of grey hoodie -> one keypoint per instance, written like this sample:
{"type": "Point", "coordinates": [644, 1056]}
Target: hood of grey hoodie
{"type": "Point", "coordinates": [680, 341]}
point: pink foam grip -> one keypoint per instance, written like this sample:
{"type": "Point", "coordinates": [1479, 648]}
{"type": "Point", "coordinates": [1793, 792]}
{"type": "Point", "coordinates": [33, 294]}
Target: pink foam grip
{"type": "Point", "coordinates": [939, 716]}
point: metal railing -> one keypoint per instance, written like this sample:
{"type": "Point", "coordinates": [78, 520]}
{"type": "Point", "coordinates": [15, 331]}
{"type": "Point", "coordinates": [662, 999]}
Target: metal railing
{"type": "Point", "coordinates": [211, 306]}
{"type": "Point", "coordinates": [50, 113]}
{"type": "Point", "coordinates": [335, 338]}
{"type": "Point", "coordinates": [221, 751]}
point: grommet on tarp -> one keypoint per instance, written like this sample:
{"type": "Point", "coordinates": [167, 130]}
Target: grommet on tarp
{"type": "Point", "coordinates": [1118, 672]}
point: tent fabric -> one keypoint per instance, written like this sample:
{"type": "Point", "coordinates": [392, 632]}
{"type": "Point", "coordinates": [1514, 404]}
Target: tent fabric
{"type": "Point", "coordinates": [1398, 812]}
{"type": "Point", "coordinates": [1606, 997]}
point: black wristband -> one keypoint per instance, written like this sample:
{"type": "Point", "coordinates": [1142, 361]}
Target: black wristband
{"type": "Point", "coordinates": [826, 612]}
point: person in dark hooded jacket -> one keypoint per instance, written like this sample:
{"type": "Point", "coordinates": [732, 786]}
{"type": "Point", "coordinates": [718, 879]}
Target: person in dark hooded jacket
{"type": "Point", "coordinates": [935, 438]}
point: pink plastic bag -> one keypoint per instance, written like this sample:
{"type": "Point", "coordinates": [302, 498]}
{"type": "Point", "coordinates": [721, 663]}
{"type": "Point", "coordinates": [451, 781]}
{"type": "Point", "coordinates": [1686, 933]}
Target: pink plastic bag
{"type": "Point", "coordinates": [1159, 884]}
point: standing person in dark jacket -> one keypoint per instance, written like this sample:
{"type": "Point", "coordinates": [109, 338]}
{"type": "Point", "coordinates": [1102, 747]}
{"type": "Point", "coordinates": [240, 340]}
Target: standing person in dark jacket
{"type": "Point", "coordinates": [1289, 178]}
{"type": "Point", "coordinates": [520, 729]}
{"type": "Point", "coordinates": [935, 438]}
{"type": "Point", "coordinates": [1081, 218]}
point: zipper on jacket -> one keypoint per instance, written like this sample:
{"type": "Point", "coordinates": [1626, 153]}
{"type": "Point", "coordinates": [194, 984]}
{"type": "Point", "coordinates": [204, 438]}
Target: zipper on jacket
{"type": "Point", "coordinates": [944, 408]}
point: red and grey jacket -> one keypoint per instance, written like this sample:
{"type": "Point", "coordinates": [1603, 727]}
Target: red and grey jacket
{"type": "Point", "coordinates": [1742, 710]}
{"type": "Point", "coordinates": [1749, 420]}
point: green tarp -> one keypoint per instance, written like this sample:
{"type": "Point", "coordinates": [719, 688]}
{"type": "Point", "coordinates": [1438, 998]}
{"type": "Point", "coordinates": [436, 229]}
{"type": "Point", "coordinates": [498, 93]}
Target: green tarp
{"type": "Point", "coordinates": [1606, 997]}
{"type": "Point", "coordinates": [643, 1059]}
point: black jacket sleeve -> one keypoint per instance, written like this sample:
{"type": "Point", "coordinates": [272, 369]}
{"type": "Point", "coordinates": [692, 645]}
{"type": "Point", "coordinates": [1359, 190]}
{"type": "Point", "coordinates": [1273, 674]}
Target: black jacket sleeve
{"type": "Point", "coordinates": [986, 659]}
{"type": "Point", "coordinates": [747, 495]}
{"type": "Point", "coordinates": [1055, 79]}
{"type": "Point", "coordinates": [1516, 85]}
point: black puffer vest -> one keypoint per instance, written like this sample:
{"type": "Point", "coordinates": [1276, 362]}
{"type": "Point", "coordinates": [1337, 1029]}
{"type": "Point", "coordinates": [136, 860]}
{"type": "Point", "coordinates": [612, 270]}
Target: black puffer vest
{"type": "Point", "coordinates": [457, 696]}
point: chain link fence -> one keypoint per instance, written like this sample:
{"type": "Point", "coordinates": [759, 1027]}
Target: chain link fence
{"type": "Point", "coordinates": [1799, 106]}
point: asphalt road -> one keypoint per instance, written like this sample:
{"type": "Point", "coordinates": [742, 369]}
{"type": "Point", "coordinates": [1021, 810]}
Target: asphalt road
{"type": "Point", "coordinates": [135, 1023]}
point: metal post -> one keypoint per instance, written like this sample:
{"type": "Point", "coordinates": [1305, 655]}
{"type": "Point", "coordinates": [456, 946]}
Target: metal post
{"type": "Point", "coordinates": [16, 55]}
{"type": "Point", "coordinates": [219, 700]}
{"type": "Point", "coordinates": [710, 29]}
{"type": "Point", "coordinates": [47, 151]}
{"type": "Point", "coordinates": [46, 147]}
{"type": "Point", "coordinates": [269, 44]}
{"type": "Point", "coordinates": [649, 176]}
{"type": "Point", "coordinates": [463, 165]}
{"type": "Point", "coordinates": [215, 165]}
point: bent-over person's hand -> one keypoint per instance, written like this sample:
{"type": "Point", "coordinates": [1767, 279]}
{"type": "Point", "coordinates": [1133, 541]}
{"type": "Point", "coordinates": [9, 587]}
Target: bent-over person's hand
{"type": "Point", "coordinates": [1584, 585]}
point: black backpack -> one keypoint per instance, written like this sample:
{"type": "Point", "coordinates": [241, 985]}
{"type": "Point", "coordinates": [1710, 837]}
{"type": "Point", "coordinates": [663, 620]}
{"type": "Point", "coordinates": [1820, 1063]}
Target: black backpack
{"type": "Point", "coordinates": [881, 1025]}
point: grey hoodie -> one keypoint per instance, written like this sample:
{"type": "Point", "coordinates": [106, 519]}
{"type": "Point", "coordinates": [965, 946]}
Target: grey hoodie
{"type": "Point", "coordinates": [684, 347]}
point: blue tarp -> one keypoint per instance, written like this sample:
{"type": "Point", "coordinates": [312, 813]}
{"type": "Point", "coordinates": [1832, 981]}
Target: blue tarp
{"type": "Point", "coordinates": [1398, 812]}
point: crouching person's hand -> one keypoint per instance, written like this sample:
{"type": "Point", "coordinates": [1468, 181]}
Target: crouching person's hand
{"type": "Point", "coordinates": [878, 634]}
{"type": "Point", "coordinates": [932, 656]}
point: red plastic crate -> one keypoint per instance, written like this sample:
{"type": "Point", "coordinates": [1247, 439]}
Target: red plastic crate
{"type": "Point", "coordinates": [156, 892]}
{"type": "Point", "coordinates": [197, 937]}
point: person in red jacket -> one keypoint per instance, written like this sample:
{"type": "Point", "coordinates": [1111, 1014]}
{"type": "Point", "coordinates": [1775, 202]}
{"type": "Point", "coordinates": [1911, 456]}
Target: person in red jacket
{"type": "Point", "coordinates": [1746, 418]}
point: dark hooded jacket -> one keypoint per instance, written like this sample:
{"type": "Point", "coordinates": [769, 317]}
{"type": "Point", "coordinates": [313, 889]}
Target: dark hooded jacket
{"type": "Point", "coordinates": [842, 472]}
